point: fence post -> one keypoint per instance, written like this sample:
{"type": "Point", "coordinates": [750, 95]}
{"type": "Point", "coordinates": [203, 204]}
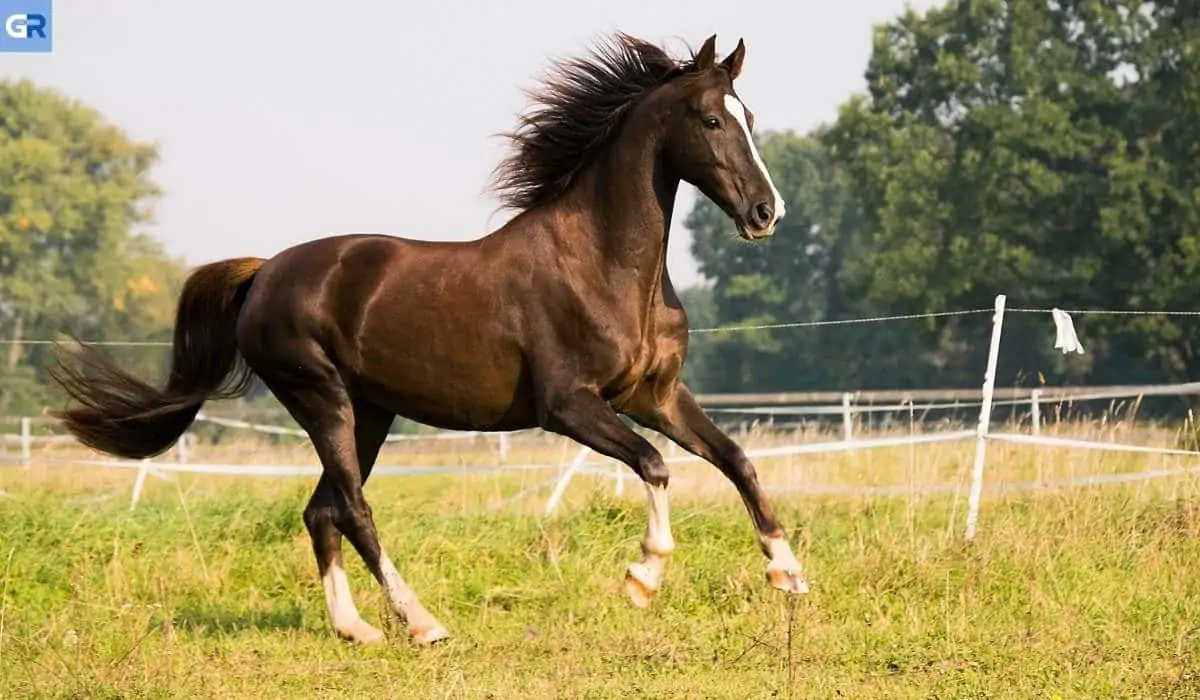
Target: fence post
{"type": "Point", "coordinates": [985, 419]}
{"type": "Point", "coordinates": [561, 486]}
{"type": "Point", "coordinates": [181, 449]}
{"type": "Point", "coordinates": [1035, 410]}
{"type": "Point", "coordinates": [847, 417]}
{"type": "Point", "coordinates": [138, 484]}
{"type": "Point", "coordinates": [26, 442]}
{"type": "Point", "coordinates": [503, 447]}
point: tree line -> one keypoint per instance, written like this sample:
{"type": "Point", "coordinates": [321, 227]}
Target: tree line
{"type": "Point", "coordinates": [1045, 149]}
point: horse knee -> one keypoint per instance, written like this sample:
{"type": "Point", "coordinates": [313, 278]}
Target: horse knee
{"type": "Point", "coordinates": [354, 519]}
{"type": "Point", "coordinates": [317, 516]}
{"type": "Point", "coordinates": [745, 467]}
{"type": "Point", "coordinates": [653, 469]}
{"type": "Point", "coordinates": [349, 518]}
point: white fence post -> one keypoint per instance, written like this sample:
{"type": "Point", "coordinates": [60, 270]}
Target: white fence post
{"type": "Point", "coordinates": [1035, 410]}
{"type": "Point", "coordinates": [561, 486]}
{"type": "Point", "coordinates": [138, 484]}
{"type": "Point", "coordinates": [26, 442]}
{"type": "Point", "coordinates": [985, 419]}
{"type": "Point", "coordinates": [503, 447]}
{"type": "Point", "coordinates": [181, 449]}
{"type": "Point", "coordinates": [847, 417]}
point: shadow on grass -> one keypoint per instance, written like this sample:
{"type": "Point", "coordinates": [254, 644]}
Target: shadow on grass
{"type": "Point", "coordinates": [220, 620]}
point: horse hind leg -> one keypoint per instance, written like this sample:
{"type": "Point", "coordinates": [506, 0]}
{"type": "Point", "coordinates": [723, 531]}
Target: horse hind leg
{"type": "Point", "coordinates": [371, 427]}
{"type": "Point", "coordinates": [347, 436]}
{"type": "Point", "coordinates": [327, 547]}
{"type": "Point", "coordinates": [370, 430]}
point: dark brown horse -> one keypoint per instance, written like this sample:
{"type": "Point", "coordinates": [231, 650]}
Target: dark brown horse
{"type": "Point", "coordinates": [563, 318]}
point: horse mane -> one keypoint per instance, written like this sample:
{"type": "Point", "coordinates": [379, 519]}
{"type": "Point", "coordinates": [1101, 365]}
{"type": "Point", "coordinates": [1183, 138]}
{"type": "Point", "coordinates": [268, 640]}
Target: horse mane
{"type": "Point", "coordinates": [576, 112]}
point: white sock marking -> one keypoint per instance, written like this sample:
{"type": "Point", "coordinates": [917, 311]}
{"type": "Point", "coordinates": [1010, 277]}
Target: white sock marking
{"type": "Point", "coordinates": [404, 600]}
{"type": "Point", "coordinates": [658, 543]}
{"type": "Point", "coordinates": [738, 111]}
{"type": "Point", "coordinates": [342, 611]}
{"type": "Point", "coordinates": [658, 529]}
{"type": "Point", "coordinates": [782, 558]}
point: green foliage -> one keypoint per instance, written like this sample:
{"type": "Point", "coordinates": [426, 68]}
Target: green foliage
{"type": "Point", "coordinates": [1045, 150]}
{"type": "Point", "coordinates": [72, 189]}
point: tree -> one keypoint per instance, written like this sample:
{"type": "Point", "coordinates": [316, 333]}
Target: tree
{"type": "Point", "coordinates": [1018, 146]}
{"type": "Point", "coordinates": [1046, 149]}
{"type": "Point", "coordinates": [72, 187]}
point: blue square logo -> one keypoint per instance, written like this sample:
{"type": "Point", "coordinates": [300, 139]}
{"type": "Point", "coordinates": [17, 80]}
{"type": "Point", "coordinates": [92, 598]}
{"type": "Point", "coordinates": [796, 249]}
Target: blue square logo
{"type": "Point", "coordinates": [26, 26]}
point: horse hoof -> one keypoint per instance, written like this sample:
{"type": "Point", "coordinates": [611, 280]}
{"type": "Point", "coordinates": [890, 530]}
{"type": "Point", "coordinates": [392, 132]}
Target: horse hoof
{"type": "Point", "coordinates": [430, 636]}
{"type": "Point", "coordinates": [639, 591]}
{"type": "Point", "coordinates": [787, 581]}
{"type": "Point", "coordinates": [361, 633]}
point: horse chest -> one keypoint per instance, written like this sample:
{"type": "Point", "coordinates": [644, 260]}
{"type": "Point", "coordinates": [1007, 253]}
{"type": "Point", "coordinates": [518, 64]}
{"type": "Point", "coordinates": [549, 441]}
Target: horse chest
{"type": "Point", "coordinates": [648, 359]}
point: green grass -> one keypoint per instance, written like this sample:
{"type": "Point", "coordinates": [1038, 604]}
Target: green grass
{"type": "Point", "coordinates": [208, 588]}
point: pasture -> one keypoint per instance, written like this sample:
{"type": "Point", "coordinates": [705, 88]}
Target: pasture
{"type": "Point", "coordinates": [208, 587]}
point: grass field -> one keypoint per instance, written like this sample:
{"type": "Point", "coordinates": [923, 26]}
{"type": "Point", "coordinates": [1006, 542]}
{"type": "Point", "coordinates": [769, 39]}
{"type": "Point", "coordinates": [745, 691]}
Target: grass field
{"type": "Point", "coordinates": [208, 587]}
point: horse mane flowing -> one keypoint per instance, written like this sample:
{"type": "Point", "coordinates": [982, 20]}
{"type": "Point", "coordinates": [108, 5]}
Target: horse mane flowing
{"type": "Point", "coordinates": [576, 111]}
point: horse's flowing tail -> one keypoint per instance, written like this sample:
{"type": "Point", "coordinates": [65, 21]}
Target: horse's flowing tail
{"type": "Point", "coordinates": [124, 416]}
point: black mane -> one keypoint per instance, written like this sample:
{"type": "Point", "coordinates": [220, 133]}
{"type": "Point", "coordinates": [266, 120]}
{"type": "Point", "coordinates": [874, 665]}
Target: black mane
{"type": "Point", "coordinates": [577, 110]}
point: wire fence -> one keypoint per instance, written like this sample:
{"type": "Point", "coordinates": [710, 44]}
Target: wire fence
{"type": "Point", "coordinates": [743, 327]}
{"type": "Point", "coordinates": [849, 408]}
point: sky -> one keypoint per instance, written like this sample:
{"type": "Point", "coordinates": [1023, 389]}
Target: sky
{"type": "Point", "coordinates": [281, 121]}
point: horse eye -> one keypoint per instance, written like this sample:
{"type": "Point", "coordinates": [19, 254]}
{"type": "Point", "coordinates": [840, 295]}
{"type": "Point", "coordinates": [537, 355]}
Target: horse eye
{"type": "Point", "coordinates": [711, 123]}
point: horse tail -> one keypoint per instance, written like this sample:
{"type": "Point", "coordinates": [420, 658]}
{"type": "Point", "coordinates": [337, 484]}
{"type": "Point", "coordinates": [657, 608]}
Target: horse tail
{"type": "Point", "coordinates": [124, 416]}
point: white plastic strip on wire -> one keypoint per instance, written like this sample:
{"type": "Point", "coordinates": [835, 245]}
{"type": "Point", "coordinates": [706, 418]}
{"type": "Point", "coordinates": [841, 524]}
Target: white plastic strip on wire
{"type": "Point", "coordinates": [833, 409]}
{"type": "Point", "coordinates": [293, 470]}
{"type": "Point", "coordinates": [594, 468]}
{"type": "Point", "coordinates": [943, 488]}
{"type": "Point", "coordinates": [1186, 389]}
{"type": "Point", "coordinates": [1077, 444]}
{"type": "Point", "coordinates": [294, 432]}
{"type": "Point", "coordinates": [285, 469]}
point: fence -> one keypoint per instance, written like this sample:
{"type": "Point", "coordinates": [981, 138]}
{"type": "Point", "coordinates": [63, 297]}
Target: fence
{"type": "Point", "coordinates": [846, 404]}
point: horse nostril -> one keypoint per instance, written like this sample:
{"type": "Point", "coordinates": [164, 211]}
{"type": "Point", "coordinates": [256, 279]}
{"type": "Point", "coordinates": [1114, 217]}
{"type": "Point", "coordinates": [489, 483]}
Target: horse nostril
{"type": "Point", "coordinates": [763, 213]}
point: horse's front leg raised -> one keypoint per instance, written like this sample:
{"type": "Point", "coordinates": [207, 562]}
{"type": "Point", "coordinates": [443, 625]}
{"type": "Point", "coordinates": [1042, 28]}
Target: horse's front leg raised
{"type": "Point", "coordinates": [586, 418]}
{"type": "Point", "coordinates": [680, 418]}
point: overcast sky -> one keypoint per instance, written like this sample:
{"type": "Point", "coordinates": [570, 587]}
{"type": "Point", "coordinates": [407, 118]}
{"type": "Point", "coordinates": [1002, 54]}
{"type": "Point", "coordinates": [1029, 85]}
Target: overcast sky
{"type": "Point", "coordinates": [286, 120]}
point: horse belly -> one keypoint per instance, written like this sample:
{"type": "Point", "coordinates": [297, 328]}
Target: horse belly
{"type": "Point", "coordinates": [450, 386]}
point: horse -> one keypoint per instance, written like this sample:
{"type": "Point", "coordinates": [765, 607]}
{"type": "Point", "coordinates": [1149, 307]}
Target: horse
{"type": "Point", "coordinates": [564, 318]}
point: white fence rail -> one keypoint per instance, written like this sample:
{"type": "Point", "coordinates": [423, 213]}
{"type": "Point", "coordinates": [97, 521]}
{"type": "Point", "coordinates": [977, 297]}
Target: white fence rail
{"type": "Point", "coordinates": [846, 404]}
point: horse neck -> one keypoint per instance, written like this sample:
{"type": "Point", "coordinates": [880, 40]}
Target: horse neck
{"type": "Point", "coordinates": [629, 196]}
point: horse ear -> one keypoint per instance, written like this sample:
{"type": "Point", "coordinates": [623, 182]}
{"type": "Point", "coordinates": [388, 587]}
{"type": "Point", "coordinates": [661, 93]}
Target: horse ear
{"type": "Point", "coordinates": [708, 53]}
{"type": "Point", "coordinates": [733, 62]}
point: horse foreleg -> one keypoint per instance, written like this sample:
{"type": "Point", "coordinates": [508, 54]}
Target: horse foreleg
{"type": "Point", "coordinates": [586, 418]}
{"type": "Point", "coordinates": [681, 419]}
{"type": "Point", "coordinates": [643, 578]}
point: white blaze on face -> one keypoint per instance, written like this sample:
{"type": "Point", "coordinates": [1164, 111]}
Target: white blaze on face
{"type": "Point", "coordinates": [738, 111]}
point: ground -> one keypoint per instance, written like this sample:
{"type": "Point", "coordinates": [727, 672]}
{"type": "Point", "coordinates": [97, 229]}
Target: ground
{"type": "Point", "coordinates": [208, 588]}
